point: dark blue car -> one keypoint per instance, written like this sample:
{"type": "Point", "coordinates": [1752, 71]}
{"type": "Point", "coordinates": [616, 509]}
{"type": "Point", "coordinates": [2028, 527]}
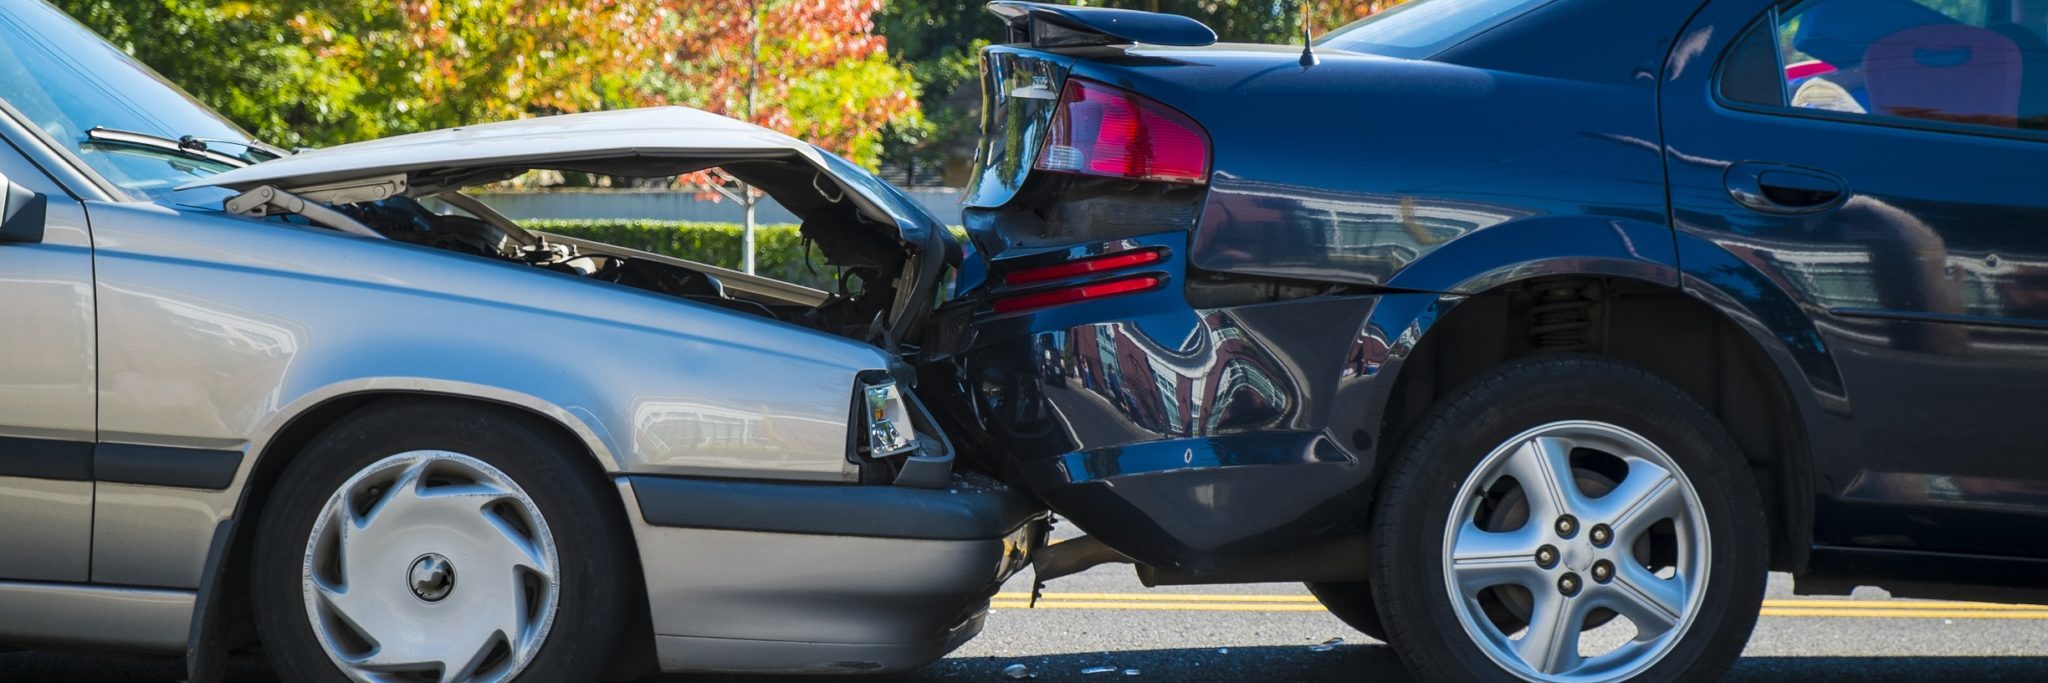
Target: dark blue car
{"type": "Point", "coordinates": [1529, 333]}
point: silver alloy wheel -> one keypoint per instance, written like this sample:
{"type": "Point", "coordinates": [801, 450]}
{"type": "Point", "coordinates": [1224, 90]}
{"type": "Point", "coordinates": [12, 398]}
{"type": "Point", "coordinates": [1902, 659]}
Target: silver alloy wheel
{"type": "Point", "coordinates": [1582, 557]}
{"type": "Point", "coordinates": [431, 565]}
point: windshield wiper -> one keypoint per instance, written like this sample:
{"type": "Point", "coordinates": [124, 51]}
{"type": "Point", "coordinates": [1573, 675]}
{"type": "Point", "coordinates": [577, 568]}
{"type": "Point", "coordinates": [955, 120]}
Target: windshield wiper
{"type": "Point", "coordinates": [187, 146]}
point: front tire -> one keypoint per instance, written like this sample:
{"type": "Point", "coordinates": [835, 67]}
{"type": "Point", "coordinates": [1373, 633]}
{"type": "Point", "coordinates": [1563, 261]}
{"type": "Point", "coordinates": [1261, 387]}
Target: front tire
{"type": "Point", "coordinates": [1569, 519]}
{"type": "Point", "coordinates": [433, 540]}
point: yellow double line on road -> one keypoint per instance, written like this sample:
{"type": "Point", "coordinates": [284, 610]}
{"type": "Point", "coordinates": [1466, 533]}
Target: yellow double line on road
{"type": "Point", "coordinates": [1211, 602]}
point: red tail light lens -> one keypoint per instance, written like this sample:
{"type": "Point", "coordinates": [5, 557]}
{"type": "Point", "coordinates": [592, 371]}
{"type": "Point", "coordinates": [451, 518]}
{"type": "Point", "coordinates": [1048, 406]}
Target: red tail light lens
{"type": "Point", "coordinates": [1096, 264]}
{"type": "Point", "coordinates": [1104, 131]}
{"type": "Point", "coordinates": [1072, 294]}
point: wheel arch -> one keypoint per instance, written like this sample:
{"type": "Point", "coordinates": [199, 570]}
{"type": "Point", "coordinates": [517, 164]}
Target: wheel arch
{"type": "Point", "coordinates": [221, 615]}
{"type": "Point", "coordinates": [1750, 382]}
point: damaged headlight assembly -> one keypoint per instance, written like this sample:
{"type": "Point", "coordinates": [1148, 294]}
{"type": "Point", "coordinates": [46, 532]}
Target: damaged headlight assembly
{"type": "Point", "coordinates": [896, 432]}
{"type": "Point", "coordinates": [890, 432]}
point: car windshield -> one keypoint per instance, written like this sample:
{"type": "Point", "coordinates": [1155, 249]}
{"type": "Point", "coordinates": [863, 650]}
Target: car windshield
{"type": "Point", "coordinates": [65, 81]}
{"type": "Point", "coordinates": [1423, 28]}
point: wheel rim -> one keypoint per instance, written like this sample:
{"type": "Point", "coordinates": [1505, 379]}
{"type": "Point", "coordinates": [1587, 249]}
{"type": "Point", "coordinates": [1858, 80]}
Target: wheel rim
{"type": "Point", "coordinates": [430, 566]}
{"type": "Point", "coordinates": [1526, 593]}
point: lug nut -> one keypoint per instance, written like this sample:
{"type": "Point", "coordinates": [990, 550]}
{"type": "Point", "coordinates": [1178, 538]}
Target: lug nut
{"type": "Point", "coordinates": [1546, 557]}
{"type": "Point", "coordinates": [1568, 584]}
{"type": "Point", "coordinates": [1603, 571]}
{"type": "Point", "coordinates": [1602, 535]}
{"type": "Point", "coordinates": [1567, 525]}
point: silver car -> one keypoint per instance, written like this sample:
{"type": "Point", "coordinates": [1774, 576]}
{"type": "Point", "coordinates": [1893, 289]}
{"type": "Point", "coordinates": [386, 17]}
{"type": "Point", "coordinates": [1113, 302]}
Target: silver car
{"type": "Point", "coordinates": [325, 402]}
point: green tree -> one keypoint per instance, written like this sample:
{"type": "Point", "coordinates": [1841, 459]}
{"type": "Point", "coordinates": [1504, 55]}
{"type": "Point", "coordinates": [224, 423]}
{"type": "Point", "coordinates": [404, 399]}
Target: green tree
{"type": "Point", "coordinates": [815, 69]}
{"type": "Point", "coordinates": [319, 72]}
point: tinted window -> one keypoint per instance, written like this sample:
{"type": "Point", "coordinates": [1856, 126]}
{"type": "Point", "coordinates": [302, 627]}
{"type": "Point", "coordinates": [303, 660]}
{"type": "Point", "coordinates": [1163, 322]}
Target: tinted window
{"type": "Point", "coordinates": [1422, 28]}
{"type": "Point", "coordinates": [1954, 62]}
{"type": "Point", "coordinates": [64, 80]}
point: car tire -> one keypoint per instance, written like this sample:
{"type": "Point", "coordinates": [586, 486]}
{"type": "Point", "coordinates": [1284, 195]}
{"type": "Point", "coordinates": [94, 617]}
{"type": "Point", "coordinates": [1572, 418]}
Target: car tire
{"type": "Point", "coordinates": [492, 504]}
{"type": "Point", "coordinates": [1352, 603]}
{"type": "Point", "coordinates": [1682, 566]}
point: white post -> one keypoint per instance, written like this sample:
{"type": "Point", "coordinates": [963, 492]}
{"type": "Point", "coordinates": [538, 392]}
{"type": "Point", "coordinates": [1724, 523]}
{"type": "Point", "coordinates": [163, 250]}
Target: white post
{"type": "Point", "coordinates": [747, 196]}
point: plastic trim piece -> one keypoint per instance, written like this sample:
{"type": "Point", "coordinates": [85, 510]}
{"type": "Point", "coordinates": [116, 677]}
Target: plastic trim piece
{"type": "Point", "coordinates": [46, 459]}
{"type": "Point", "coordinates": [969, 510]}
{"type": "Point", "coordinates": [205, 644]}
{"type": "Point", "coordinates": [191, 468]}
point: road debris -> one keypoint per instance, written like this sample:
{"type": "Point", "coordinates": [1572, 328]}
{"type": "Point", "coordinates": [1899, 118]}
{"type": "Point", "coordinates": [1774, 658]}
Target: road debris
{"type": "Point", "coordinates": [1017, 672]}
{"type": "Point", "coordinates": [1326, 645]}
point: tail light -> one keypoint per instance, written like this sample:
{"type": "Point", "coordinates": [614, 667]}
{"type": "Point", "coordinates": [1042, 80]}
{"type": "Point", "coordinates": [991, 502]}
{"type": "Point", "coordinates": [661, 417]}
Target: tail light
{"type": "Point", "coordinates": [1060, 271]}
{"type": "Point", "coordinates": [1103, 131]}
{"type": "Point", "coordinates": [1082, 292]}
{"type": "Point", "coordinates": [1067, 295]}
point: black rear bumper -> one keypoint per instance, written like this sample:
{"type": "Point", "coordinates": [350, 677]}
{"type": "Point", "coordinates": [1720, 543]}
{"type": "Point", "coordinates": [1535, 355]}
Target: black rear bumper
{"type": "Point", "coordinates": [1189, 439]}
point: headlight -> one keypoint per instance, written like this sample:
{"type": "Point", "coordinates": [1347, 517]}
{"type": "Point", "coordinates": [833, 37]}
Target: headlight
{"type": "Point", "coordinates": [888, 421]}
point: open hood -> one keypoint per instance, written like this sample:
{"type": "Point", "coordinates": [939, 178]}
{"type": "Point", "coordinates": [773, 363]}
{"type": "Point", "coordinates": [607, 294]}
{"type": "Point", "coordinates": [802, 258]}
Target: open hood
{"type": "Point", "coordinates": [653, 142]}
{"type": "Point", "coordinates": [853, 218]}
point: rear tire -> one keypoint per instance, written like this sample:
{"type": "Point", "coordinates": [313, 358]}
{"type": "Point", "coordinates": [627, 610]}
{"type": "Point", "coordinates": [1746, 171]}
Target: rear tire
{"type": "Point", "coordinates": [523, 553]}
{"type": "Point", "coordinates": [1638, 513]}
{"type": "Point", "coordinates": [1351, 603]}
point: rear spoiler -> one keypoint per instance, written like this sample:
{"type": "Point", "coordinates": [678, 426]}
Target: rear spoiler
{"type": "Point", "coordinates": [1049, 26]}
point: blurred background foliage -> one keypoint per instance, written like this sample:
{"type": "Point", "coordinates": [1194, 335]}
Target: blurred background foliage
{"type": "Point", "coordinates": [778, 249]}
{"type": "Point", "coordinates": [878, 81]}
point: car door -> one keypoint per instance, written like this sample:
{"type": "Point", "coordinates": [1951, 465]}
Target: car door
{"type": "Point", "coordinates": [46, 374]}
{"type": "Point", "coordinates": [1883, 161]}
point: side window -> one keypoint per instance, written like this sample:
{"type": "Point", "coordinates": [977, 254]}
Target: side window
{"type": "Point", "coordinates": [1974, 63]}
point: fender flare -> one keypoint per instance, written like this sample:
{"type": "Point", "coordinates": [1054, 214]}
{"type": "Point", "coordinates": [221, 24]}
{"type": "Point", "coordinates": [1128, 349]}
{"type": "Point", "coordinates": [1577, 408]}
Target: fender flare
{"type": "Point", "coordinates": [1543, 247]}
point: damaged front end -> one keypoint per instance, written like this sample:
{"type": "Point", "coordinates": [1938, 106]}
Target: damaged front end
{"type": "Point", "coordinates": [796, 508]}
{"type": "Point", "coordinates": [890, 253]}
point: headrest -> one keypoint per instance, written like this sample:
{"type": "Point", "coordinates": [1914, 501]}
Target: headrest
{"type": "Point", "coordinates": [1839, 32]}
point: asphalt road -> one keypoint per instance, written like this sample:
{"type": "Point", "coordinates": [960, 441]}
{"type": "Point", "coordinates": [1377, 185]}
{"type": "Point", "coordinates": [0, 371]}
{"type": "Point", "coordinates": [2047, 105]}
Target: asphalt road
{"type": "Point", "coordinates": [1243, 634]}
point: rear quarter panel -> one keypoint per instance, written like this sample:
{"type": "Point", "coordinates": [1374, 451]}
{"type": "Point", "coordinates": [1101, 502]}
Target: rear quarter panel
{"type": "Point", "coordinates": [1359, 167]}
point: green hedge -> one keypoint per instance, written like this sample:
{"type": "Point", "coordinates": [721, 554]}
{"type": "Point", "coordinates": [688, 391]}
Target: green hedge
{"type": "Point", "coordinates": [778, 253]}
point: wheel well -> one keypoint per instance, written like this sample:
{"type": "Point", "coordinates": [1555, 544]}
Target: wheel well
{"type": "Point", "coordinates": [633, 658]}
{"type": "Point", "coordinates": [1657, 328]}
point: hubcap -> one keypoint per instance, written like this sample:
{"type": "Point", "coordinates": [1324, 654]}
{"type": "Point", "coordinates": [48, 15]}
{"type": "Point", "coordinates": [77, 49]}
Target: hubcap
{"type": "Point", "coordinates": [381, 583]}
{"type": "Point", "coordinates": [1554, 605]}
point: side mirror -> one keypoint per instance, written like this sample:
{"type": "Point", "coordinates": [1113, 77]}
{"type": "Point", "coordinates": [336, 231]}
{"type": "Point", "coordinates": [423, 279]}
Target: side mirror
{"type": "Point", "coordinates": [22, 213]}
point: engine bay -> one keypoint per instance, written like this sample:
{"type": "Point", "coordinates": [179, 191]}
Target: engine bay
{"type": "Point", "coordinates": [875, 271]}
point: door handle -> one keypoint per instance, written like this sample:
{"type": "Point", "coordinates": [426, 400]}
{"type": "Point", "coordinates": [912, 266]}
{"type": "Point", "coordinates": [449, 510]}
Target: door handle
{"type": "Point", "coordinates": [1781, 189]}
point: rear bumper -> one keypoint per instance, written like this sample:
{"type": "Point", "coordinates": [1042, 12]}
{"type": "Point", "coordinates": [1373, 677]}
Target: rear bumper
{"type": "Point", "coordinates": [1190, 438]}
{"type": "Point", "coordinates": [822, 579]}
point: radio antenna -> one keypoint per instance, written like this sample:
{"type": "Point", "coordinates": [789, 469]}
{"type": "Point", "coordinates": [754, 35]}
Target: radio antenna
{"type": "Point", "coordinates": [1308, 50]}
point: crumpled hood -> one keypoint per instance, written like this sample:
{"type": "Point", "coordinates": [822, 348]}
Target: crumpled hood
{"type": "Point", "coordinates": [650, 142]}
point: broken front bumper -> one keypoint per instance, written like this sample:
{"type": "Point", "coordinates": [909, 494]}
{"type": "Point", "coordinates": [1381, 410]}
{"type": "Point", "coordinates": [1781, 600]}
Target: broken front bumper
{"type": "Point", "coordinates": [819, 578]}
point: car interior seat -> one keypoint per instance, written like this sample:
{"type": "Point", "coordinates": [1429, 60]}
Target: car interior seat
{"type": "Point", "coordinates": [2034, 73]}
{"type": "Point", "coordinates": [1947, 72]}
{"type": "Point", "coordinates": [1841, 33]}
